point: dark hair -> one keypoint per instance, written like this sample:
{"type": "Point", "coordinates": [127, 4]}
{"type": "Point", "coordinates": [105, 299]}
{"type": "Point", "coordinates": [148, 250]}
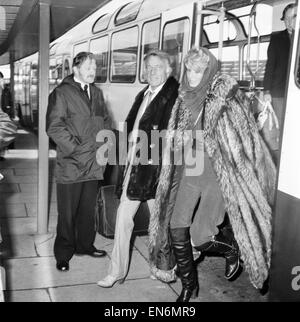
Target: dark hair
{"type": "Point", "coordinates": [82, 57]}
{"type": "Point", "coordinates": [1, 75]}
{"type": "Point", "coordinates": [289, 6]}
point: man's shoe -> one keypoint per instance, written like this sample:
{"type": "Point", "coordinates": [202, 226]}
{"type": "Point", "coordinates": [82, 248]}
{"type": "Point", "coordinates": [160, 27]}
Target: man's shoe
{"type": "Point", "coordinates": [93, 253]}
{"type": "Point", "coordinates": [62, 266]}
{"type": "Point", "coordinates": [110, 281]}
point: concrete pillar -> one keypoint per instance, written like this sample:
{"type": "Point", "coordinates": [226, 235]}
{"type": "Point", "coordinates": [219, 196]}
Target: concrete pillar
{"type": "Point", "coordinates": [43, 145]}
{"type": "Point", "coordinates": [12, 78]}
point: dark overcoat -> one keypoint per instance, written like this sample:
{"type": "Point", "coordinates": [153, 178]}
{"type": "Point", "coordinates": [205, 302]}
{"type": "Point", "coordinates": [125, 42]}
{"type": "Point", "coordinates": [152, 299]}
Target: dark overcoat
{"type": "Point", "coordinates": [275, 78]}
{"type": "Point", "coordinates": [73, 122]}
{"type": "Point", "coordinates": [144, 177]}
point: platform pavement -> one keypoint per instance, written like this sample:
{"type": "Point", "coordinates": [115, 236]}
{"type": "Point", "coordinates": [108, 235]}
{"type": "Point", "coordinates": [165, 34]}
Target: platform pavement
{"type": "Point", "coordinates": [29, 263]}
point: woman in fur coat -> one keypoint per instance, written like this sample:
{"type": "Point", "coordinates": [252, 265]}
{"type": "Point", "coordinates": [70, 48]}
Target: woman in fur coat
{"type": "Point", "coordinates": [238, 177]}
{"type": "Point", "coordinates": [176, 203]}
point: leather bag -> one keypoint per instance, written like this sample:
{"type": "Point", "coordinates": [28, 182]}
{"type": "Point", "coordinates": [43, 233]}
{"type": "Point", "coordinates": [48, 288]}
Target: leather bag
{"type": "Point", "coordinates": [106, 213]}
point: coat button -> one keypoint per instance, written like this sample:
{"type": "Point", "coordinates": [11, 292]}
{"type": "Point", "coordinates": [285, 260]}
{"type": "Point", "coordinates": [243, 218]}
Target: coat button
{"type": "Point", "coordinates": [150, 161]}
{"type": "Point", "coordinates": [152, 146]}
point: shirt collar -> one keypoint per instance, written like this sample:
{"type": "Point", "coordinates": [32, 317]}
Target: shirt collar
{"type": "Point", "coordinates": [155, 91]}
{"type": "Point", "coordinates": [80, 82]}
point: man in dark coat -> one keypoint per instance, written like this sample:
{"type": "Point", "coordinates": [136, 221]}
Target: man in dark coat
{"type": "Point", "coordinates": [149, 114]}
{"type": "Point", "coordinates": [6, 101]}
{"type": "Point", "coordinates": [276, 72]}
{"type": "Point", "coordinates": [76, 113]}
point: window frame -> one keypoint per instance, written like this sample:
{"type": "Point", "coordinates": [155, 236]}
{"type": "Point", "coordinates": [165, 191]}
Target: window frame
{"type": "Point", "coordinates": [141, 44]}
{"type": "Point", "coordinates": [111, 54]}
{"type": "Point", "coordinates": [108, 53]}
{"type": "Point", "coordinates": [162, 38]}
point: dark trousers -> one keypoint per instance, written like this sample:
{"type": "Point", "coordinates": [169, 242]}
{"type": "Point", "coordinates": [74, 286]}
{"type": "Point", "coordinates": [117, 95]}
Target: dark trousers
{"type": "Point", "coordinates": [76, 219]}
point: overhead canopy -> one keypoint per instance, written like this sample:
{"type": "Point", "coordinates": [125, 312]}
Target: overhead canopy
{"type": "Point", "coordinates": [19, 23]}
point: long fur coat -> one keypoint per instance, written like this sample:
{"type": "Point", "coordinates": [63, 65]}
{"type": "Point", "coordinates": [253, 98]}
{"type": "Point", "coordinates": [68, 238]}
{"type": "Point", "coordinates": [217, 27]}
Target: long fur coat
{"type": "Point", "coordinates": [245, 172]}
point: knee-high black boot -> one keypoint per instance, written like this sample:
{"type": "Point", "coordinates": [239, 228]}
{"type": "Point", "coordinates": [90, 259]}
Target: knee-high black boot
{"type": "Point", "coordinates": [224, 243]}
{"type": "Point", "coordinates": [185, 263]}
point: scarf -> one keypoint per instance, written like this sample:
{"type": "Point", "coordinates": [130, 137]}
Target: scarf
{"type": "Point", "coordinates": [194, 97]}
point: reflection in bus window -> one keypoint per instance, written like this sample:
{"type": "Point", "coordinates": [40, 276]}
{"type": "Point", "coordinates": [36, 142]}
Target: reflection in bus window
{"type": "Point", "coordinates": [264, 17]}
{"type": "Point", "coordinates": [128, 12]}
{"type": "Point", "coordinates": [99, 47]}
{"type": "Point", "coordinates": [175, 43]}
{"type": "Point", "coordinates": [260, 71]}
{"type": "Point", "coordinates": [230, 60]}
{"type": "Point", "coordinates": [52, 71]}
{"type": "Point", "coordinates": [67, 70]}
{"type": "Point", "coordinates": [124, 46]}
{"type": "Point", "coordinates": [101, 24]}
{"type": "Point", "coordinates": [211, 27]}
{"type": "Point", "coordinates": [150, 41]}
{"type": "Point", "coordinates": [59, 69]}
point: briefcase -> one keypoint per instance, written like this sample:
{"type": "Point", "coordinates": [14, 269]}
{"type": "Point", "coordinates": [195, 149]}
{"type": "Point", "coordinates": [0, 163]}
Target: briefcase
{"type": "Point", "coordinates": [106, 213]}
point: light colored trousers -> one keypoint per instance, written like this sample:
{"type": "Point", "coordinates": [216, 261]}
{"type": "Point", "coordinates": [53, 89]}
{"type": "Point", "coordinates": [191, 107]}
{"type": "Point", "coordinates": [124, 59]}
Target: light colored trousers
{"type": "Point", "coordinates": [123, 231]}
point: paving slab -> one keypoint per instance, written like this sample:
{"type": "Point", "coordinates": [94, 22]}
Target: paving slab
{"type": "Point", "coordinates": [13, 210]}
{"type": "Point", "coordinates": [137, 290]}
{"type": "Point", "coordinates": [8, 187]}
{"type": "Point", "coordinates": [23, 226]}
{"type": "Point", "coordinates": [6, 172]}
{"type": "Point", "coordinates": [41, 272]}
{"type": "Point", "coordinates": [31, 208]}
{"type": "Point", "coordinates": [10, 163]}
{"type": "Point", "coordinates": [28, 296]}
{"type": "Point", "coordinates": [18, 197]}
{"type": "Point", "coordinates": [215, 288]}
{"type": "Point", "coordinates": [18, 246]}
{"type": "Point", "coordinates": [25, 171]}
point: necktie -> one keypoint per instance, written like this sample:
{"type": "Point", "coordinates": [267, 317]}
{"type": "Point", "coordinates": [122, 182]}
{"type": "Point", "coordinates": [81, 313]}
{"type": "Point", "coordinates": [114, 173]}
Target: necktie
{"type": "Point", "coordinates": [149, 97]}
{"type": "Point", "coordinates": [86, 91]}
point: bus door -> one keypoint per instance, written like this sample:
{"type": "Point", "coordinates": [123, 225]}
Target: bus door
{"type": "Point", "coordinates": [285, 262]}
{"type": "Point", "coordinates": [176, 35]}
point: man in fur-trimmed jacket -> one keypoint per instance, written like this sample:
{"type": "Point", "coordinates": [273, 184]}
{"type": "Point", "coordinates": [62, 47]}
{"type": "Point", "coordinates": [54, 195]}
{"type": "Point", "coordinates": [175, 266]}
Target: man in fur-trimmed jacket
{"type": "Point", "coordinates": [150, 113]}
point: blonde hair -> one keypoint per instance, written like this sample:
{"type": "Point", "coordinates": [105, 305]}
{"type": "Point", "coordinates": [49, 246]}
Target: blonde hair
{"type": "Point", "coordinates": [196, 59]}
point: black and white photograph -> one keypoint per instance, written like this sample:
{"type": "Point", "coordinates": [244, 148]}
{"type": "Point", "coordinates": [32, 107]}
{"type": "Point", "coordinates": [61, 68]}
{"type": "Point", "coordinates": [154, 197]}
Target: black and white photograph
{"type": "Point", "coordinates": [148, 153]}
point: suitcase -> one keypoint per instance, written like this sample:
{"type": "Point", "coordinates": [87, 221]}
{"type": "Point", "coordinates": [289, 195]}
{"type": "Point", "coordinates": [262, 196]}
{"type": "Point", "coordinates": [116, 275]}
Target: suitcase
{"type": "Point", "coordinates": [106, 213]}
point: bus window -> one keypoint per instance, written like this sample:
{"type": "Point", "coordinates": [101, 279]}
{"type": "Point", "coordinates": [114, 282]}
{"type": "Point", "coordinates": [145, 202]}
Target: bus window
{"type": "Point", "coordinates": [150, 41]}
{"type": "Point", "coordinates": [83, 46]}
{"type": "Point", "coordinates": [128, 12]}
{"type": "Point", "coordinates": [264, 16]}
{"type": "Point", "coordinates": [101, 24]}
{"type": "Point", "coordinates": [263, 49]}
{"type": "Point", "coordinates": [124, 46]}
{"type": "Point", "coordinates": [52, 71]}
{"type": "Point", "coordinates": [67, 70]}
{"type": "Point", "coordinates": [211, 27]}
{"type": "Point", "coordinates": [175, 43]}
{"type": "Point", "coordinates": [99, 47]}
{"type": "Point", "coordinates": [230, 60]}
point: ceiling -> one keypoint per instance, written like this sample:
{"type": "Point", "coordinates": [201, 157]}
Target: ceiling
{"type": "Point", "coordinates": [19, 23]}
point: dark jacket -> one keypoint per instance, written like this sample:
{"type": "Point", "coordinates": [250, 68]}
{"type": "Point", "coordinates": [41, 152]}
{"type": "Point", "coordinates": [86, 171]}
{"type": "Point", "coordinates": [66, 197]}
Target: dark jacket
{"type": "Point", "coordinates": [6, 102]}
{"type": "Point", "coordinates": [73, 122]}
{"type": "Point", "coordinates": [144, 177]}
{"type": "Point", "coordinates": [277, 64]}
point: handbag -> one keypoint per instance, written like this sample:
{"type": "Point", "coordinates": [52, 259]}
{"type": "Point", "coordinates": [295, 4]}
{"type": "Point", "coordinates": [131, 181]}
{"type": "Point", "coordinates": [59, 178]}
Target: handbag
{"type": "Point", "coordinates": [267, 123]}
{"type": "Point", "coordinates": [107, 204]}
{"type": "Point", "coordinates": [8, 130]}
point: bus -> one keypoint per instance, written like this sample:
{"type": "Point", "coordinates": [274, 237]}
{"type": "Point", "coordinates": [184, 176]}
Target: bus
{"type": "Point", "coordinates": [238, 33]}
